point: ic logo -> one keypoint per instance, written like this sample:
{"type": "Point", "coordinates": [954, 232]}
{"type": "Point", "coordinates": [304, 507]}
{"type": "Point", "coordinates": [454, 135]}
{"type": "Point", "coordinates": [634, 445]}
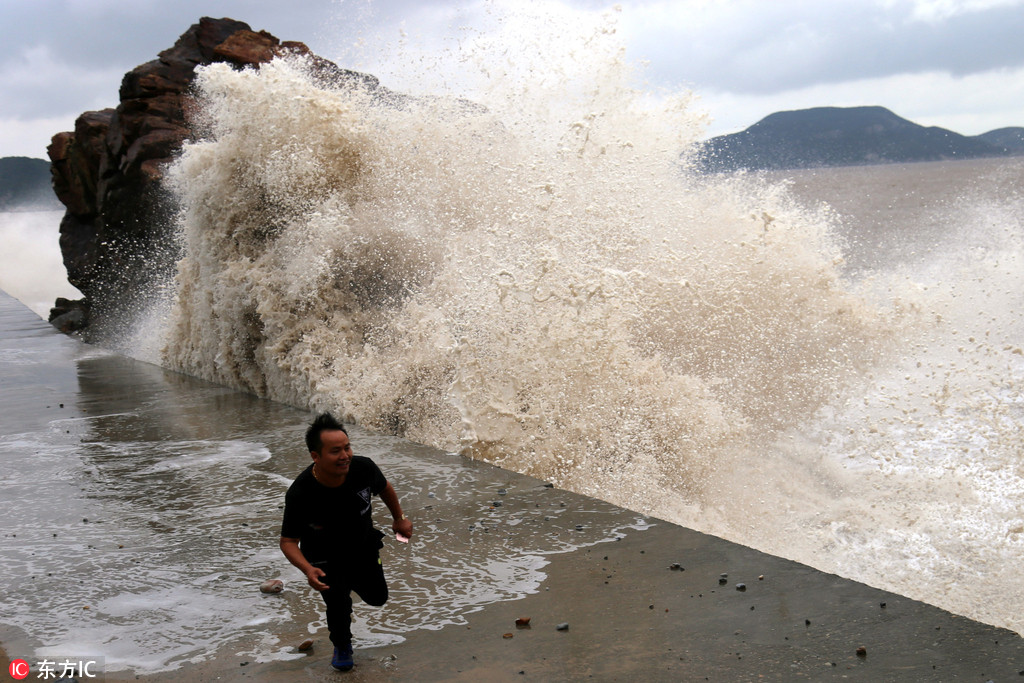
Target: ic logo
{"type": "Point", "coordinates": [19, 669]}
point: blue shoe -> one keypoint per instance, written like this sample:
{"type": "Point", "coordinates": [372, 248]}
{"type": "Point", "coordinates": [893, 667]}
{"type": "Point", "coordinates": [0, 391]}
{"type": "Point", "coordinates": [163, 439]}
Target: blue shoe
{"type": "Point", "coordinates": [342, 660]}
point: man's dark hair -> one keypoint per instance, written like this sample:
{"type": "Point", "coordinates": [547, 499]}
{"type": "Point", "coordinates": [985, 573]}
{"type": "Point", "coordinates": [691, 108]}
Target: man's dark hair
{"type": "Point", "coordinates": [323, 422]}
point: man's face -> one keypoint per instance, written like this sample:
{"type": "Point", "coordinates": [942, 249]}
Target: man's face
{"type": "Point", "coordinates": [335, 453]}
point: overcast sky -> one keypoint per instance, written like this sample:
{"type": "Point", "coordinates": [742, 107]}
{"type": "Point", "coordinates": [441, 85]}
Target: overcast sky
{"type": "Point", "coordinates": [958, 64]}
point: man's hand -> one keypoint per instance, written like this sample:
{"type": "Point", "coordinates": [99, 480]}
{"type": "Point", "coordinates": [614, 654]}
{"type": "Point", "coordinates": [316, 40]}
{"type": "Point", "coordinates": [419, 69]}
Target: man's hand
{"type": "Point", "coordinates": [402, 526]}
{"type": "Point", "coordinates": [290, 548]}
{"type": "Point", "coordinates": [314, 576]}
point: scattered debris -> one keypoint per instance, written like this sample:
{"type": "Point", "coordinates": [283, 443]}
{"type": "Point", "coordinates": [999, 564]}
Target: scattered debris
{"type": "Point", "coordinates": [272, 586]}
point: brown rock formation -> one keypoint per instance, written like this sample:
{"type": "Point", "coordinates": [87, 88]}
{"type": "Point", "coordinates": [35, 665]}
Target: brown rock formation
{"type": "Point", "coordinates": [116, 235]}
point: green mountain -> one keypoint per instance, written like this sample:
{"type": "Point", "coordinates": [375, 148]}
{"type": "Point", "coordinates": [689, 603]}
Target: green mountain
{"type": "Point", "coordinates": [836, 136]}
{"type": "Point", "coordinates": [25, 185]}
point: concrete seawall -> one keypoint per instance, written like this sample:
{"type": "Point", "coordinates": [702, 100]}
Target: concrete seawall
{"type": "Point", "coordinates": [657, 602]}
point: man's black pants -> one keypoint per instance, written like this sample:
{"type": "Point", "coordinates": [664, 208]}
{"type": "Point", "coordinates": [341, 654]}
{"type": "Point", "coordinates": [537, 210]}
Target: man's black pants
{"type": "Point", "coordinates": [362, 574]}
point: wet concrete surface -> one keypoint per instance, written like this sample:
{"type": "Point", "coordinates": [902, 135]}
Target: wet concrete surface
{"type": "Point", "coordinates": [656, 603]}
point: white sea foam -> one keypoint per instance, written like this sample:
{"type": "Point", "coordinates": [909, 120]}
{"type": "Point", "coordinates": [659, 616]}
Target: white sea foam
{"type": "Point", "coordinates": [31, 269]}
{"type": "Point", "coordinates": [540, 283]}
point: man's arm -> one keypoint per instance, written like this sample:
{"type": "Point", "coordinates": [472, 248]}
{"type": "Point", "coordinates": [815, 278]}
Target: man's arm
{"type": "Point", "coordinates": [290, 548]}
{"type": "Point", "coordinates": [401, 525]}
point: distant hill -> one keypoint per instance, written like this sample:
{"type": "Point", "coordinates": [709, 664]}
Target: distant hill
{"type": "Point", "coordinates": [837, 136]}
{"type": "Point", "coordinates": [25, 185]}
{"type": "Point", "coordinates": [1009, 139]}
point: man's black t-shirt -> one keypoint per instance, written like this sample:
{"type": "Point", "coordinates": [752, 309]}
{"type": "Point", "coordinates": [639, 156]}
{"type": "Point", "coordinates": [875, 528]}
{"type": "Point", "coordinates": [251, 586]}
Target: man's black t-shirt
{"type": "Point", "coordinates": [333, 522]}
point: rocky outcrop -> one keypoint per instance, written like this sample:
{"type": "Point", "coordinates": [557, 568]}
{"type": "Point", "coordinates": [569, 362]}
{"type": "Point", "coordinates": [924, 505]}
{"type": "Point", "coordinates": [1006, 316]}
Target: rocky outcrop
{"type": "Point", "coordinates": [116, 234]}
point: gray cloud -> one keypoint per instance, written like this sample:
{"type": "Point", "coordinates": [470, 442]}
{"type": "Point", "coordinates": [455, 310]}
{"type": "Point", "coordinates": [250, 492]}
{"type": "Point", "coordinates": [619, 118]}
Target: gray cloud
{"type": "Point", "coordinates": [782, 46]}
{"type": "Point", "coordinates": [62, 57]}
